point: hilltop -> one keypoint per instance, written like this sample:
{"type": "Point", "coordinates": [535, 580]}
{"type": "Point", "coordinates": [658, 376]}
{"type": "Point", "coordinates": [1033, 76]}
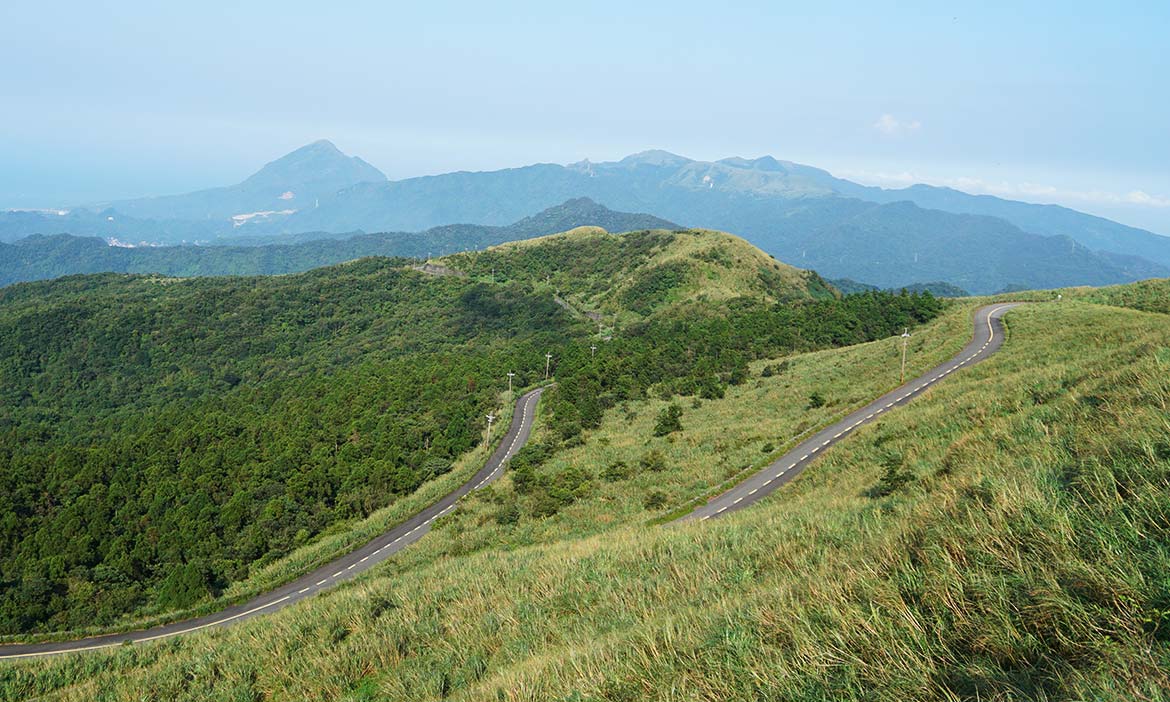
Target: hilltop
{"type": "Point", "coordinates": [644, 272]}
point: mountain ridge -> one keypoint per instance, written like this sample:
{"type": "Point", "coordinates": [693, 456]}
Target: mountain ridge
{"type": "Point", "coordinates": [779, 205]}
{"type": "Point", "coordinates": [38, 257]}
{"type": "Point", "coordinates": [294, 181]}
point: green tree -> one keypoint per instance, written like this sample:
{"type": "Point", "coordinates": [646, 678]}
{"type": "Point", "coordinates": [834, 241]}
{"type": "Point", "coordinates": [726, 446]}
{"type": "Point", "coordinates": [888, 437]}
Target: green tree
{"type": "Point", "coordinates": [669, 420]}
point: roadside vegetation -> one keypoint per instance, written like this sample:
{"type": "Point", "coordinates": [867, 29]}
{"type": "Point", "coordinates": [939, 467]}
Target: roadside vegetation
{"type": "Point", "coordinates": [1147, 295]}
{"type": "Point", "coordinates": [1002, 537]}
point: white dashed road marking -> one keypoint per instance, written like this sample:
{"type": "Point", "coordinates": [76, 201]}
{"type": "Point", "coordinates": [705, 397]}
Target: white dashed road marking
{"type": "Point", "coordinates": [913, 388]}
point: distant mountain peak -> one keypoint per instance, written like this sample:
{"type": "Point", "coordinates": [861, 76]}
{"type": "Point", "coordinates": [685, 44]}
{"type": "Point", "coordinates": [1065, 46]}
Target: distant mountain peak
{"type": "Point", "coordinates": [654, 157]}
{"type": "Point", "coordinates": [581, 202]}
{"type": "Point", "coordinates": [321, 144]}
{"type": "Point", "coordinates": [763, 163]}
{"type": "Point", "coordinates": [583, 211]}
{"type": "Point", "coordinates": [320, 161]}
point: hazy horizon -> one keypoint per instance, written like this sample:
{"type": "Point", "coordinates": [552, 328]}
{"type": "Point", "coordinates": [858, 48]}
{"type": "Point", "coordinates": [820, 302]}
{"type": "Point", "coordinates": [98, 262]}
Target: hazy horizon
{"type": "Point", "coordinates": [1062, 104]}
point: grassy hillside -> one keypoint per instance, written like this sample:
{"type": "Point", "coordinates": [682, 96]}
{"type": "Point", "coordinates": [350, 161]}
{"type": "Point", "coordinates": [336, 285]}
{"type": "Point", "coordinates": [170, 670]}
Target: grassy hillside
{"type": "Point", "coordinates": [644, 272]}
{"type": "Point", "coordinates": [1003, 537]}
{"type": "Point", "coordinates": [167, 444]}
{"type": "Point", "coordinates": [1147, 295]}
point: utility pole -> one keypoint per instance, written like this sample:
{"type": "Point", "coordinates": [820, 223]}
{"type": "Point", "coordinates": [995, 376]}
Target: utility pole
{"type": "Point", "coordinates": [905, 340]}
{"type": "Point", "coordinates": [592, 350]}
{"type": "Point", "coordinates": [487, 439]}
{"type": "Point", "coordinates": [547, 364]}
{"type": "Point", "coordinates": [510, 376]}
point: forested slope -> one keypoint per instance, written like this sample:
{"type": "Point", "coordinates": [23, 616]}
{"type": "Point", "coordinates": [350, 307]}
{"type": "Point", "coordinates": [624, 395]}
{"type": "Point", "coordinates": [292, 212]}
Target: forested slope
{"type": "Point", "coordinates": [160, 436]}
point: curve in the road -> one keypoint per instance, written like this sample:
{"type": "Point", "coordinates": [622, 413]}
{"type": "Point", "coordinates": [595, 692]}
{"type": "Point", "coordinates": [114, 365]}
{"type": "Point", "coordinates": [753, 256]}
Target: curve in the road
{"type": "Point", "coordinates": [986, 340]}
{"type": "Point", "coordinates": [341, 569]}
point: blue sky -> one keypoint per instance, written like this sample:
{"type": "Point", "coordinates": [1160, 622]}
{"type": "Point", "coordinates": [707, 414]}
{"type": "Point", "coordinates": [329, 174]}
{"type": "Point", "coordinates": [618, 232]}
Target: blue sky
{"type": "Point", "coordinates": [1061, 102]}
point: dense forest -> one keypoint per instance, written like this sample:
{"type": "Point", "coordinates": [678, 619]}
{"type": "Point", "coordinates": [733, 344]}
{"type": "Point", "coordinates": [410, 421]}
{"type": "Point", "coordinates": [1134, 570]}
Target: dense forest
{"type": "Point", "coordinates": [159, 438]}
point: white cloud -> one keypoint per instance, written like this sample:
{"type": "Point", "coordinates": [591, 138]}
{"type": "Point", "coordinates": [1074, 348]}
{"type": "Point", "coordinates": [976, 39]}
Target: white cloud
{"type": "Point", "coordinates": [1138, 197]}
{"type": "Point", "coordinates": [1021, 191]}
{"type": "Point", "coordinates": [891, 126]}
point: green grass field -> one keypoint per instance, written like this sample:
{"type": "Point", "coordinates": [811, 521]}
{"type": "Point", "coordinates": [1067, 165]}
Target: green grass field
{"type": "Point", "coordinates": [1002, 537]}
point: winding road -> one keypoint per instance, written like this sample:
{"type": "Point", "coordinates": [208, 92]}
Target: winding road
{"type": "Point", "coordinates": [987, 339]}
{"type": "Point", "coordinates": [344, 568]}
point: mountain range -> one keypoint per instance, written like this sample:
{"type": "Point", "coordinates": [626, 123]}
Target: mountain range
{"type": "Point", "coordinates": [795, 212]}
{"type": "Point", "coordinates": [40, 257]}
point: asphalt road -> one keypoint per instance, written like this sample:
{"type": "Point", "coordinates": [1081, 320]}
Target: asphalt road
{"type": "Point", "coordinates": [987, 339]}
{"type": "Point", "coordinates": [325, 577]}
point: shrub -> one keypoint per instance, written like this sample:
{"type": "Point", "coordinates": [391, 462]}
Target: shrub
{"type": "Point", "coordinates": [669, 420]}
{"type": "Point", "coordinates": [711, 389]}
{"type": "Point", "coordinates": [618, 470]}
{"type": "Point", "coordinates": [509, 514]}
{"type": "Point", "coordinates": [894, 476]}
{"type": "Point", "coordinates": [738, 375]}
{"type": "Point", "coordinates": [435, 466]}
{"type": "Point", "coordinates": [543, 505]}
{"type": "Point", "coordinates": [380, 604]}
{"type": "Point", "coordinates": [523, 479]}
{"type": "Point", "coordinates": [655, 499]}
{"type": "Point", "coordinates": [653, 462]}
{"type": "Point", "coordinates": [775, 369]}
{"type": "Point", "coordinates": [816, 400]}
